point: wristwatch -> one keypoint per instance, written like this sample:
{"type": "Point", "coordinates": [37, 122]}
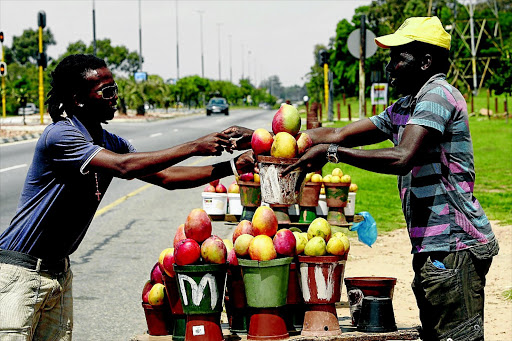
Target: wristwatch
{"type": "Point", "coordinates": [332, 153]}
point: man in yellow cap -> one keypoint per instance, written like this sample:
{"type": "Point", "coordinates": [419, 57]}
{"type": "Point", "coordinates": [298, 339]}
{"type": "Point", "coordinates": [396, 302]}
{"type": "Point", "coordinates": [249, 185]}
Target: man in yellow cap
{"type": "Point", "coordinates": [452, 239]}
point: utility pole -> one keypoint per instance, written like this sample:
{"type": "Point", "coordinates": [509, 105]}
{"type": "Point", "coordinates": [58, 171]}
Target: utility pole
{"type": "Point", "coordinates": [362, 55]}
{"type": "Point", "coordinates": [140, 40]}
{"type": "Point", "coordinates": [249, 65]}
{"type": "Point", "coordinates": [4, 112]}
{"type": "Point", "coordinates": [230, 61]}
{"type": "Point", "coordinates": [243, 66]}
{"type": "Point", "coordinates": [177, 46]}
{"type": "Point", "coordinates": [218, 34]}
{"type": "Point", "coordinates": [201, 28]}
{"type": "Point", "coordinates": [94, 27]}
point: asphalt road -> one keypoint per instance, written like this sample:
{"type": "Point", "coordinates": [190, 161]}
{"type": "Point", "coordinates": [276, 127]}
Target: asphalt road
{"type": "Point", "coordinates": [134, 223]}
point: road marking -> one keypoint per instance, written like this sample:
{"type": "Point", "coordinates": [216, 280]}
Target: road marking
{"type": "Point", "coordinates": [155, 135]}
{"type": "Point", "coordinates": [13, 167]}
{"type": "Point", "coordinates": [137, 191]}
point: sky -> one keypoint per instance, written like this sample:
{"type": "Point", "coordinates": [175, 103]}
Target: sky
{"type": "Point", "coordinates": [257, 38]}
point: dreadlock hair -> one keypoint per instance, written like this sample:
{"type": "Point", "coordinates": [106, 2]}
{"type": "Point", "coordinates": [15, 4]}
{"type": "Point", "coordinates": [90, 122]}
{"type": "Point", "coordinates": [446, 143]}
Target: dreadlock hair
{"type": "Point", "coordinates": [69, 79]}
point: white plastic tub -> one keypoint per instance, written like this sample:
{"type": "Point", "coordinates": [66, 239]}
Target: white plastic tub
{"type": "Point", "coordinates": [321, 209]}
{"type": "Point", "coordinates": [215, 203]}
{"type": "Point", "coordinates": [351, 204]}
{"type": "Point", "coordinates": [234, 207]}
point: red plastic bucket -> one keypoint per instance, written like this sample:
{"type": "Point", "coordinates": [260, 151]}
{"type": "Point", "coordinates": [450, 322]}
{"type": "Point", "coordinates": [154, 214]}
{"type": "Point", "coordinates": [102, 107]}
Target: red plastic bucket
{"type": "Point", "coordinates": [321, 278]}
{"type": "Point", "coordinates": [158, 319]}
{"type": "Point", "coordinates": [171, 288]}
{"type": "Point", "coordinates": [294, 292]}
{"type": "Point", "coordinates": [268, 324]}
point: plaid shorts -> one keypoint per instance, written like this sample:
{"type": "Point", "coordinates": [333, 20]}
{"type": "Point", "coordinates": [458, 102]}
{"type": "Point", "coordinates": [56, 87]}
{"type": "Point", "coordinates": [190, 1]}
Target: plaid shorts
{"type": "Point", "coordinates": [35, 305]}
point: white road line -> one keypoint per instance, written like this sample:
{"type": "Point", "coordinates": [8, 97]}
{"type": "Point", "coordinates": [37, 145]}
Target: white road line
{"type": "Point", "coordinates": [12, 168]}
{"type": "Point", "coordinates": [155, 135]}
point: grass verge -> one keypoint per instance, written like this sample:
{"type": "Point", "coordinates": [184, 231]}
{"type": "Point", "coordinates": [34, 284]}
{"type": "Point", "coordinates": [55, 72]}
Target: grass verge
{"type": "Point", "coordinates": [492, 144]}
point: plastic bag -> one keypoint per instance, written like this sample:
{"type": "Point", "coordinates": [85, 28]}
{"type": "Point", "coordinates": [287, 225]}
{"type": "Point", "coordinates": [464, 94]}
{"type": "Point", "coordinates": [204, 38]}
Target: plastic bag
{"type": "Point", "coordinates": [366, 229]}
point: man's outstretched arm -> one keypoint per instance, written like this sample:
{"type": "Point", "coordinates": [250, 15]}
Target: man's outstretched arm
{"type": "Point", "coordinates": [135, 165]}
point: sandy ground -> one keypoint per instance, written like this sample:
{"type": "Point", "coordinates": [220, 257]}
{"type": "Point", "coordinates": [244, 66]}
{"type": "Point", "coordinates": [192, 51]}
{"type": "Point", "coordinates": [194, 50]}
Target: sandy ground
{"type": "Point", "coordinates": [390, 256]}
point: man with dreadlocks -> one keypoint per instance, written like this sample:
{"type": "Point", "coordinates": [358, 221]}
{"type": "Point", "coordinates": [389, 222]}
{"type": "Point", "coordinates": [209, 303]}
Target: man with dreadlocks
{"type": "Point", "coordinates": [74, 162]}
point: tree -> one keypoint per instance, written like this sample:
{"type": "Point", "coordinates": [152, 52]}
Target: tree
{"type": "Point", "coordinates": [315, 85]}
{"type": "Point", "coordinates": [25, 48]}
{"type": "Point", "coordinates": [273, 85]}
{"type": "Point", "coordinates": [500, 81]}
{"type": "Point", "coordinates": [118, 58]}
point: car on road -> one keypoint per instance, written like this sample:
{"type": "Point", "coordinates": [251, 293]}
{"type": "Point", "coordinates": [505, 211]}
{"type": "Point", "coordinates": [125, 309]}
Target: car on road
{"type": "Point", "coordinates": [29, 109]}
{"type": "Point", "coordinates": [217, 105]}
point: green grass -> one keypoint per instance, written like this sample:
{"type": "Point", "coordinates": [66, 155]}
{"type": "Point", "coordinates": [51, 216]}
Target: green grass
{"type": "Point", "coordinates": [492, 143]}
{"type": "Point", "coordinates": [508, 294]}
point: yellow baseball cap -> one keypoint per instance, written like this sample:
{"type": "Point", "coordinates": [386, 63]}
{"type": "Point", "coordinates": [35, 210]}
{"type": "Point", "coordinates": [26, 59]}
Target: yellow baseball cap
{"type": "Point", "coordinates": [425, 29]}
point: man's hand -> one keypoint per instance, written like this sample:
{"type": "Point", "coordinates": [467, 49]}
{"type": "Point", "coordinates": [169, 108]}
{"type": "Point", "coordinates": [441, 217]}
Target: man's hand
{"type": "Point", "coordinates": [245, 163]}
{"type": "Point", "coordinates": [313, 160]}
{"type": "Point", "coordinates": [212, 144]}
{"type": "Point", "coordinates": [241, 137]}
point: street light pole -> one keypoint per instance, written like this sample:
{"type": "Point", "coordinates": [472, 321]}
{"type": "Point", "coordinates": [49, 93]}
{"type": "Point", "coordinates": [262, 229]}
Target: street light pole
{"type": "Point", "coordinates": [177, 47]}
{"type": "Point", "coordinates": [201, 28]}
{"type": "Point", "coordinates": [218, 33]}
{"type": "Point", "coordinates": [140, 40]}
{"type": "Point", "coordinates": [249, 65]}
{"type": "Point", "coordinates": [243, 66]}
{"type": "Point", "coordinates": [230, 62]}
{"type": "Point", "coordinates": [94, 26]}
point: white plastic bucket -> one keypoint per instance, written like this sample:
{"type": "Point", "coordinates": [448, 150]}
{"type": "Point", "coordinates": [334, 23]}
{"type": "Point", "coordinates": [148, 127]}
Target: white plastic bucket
{"type": "Point", "coordinates": [351, 204]}
{"type": "Point", "coordinates": [215, 203]}
{"type": "Point", "coordinates": [322, 209]}
{"type": "Point", "coordinates": [235, 206]}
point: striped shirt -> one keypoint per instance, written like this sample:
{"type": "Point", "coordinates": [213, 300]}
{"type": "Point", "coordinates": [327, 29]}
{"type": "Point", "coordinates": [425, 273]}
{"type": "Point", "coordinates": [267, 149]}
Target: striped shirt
{"type": "Point", "coordinates": [437, 194]}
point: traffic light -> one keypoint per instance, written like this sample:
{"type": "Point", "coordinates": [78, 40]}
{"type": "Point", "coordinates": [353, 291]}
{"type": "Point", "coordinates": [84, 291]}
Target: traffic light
{"type": "Point", "coordinates": [23, 101]}
{"type": "Point", "coordinates": [323, 57]}
{"type": "Point", "coordinates": [41, 19]}
{"type": "Point", "coordinates": [42, 60]}
{"type": "Point", "coordinates": [3, 69]}
{"type": "Point", "coordinates": [1, 37]}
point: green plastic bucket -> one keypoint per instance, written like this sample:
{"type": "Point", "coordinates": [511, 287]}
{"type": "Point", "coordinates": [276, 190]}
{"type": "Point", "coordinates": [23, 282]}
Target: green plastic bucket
{"type": "Point", "coordinates": [201, 287]}
{"type": "Point", "coordinates": [336, 194]}
{"type": "Point", "coordinates": [266, 282]}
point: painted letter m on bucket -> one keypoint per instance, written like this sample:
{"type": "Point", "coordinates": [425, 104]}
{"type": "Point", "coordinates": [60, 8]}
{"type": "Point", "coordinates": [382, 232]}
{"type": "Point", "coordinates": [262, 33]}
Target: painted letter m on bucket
{"type": "Point", "coordinates": [197, 291]}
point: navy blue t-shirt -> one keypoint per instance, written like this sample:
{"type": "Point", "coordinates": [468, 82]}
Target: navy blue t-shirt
{"type": "Point", "coordinates": [59, 200]}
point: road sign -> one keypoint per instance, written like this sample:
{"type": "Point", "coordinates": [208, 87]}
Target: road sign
{"type": "Point", "coordinates": [353, 43]}
{"type": "Point", "coordinates": [140, 76]}
{"type": "Point", "coordinates": [379, 93]}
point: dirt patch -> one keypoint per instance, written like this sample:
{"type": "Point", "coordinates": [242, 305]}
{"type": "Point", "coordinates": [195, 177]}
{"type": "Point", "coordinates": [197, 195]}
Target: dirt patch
{"type": "Point", "coordinates": [390, 256]}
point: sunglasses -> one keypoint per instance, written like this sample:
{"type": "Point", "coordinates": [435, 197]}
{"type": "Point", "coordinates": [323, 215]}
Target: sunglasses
{"type": "Point", "coordinates": [108, 92]}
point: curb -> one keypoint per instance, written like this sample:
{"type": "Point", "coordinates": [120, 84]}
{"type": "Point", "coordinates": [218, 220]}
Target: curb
{"type": "Point", "coordinates": [20, 138]}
